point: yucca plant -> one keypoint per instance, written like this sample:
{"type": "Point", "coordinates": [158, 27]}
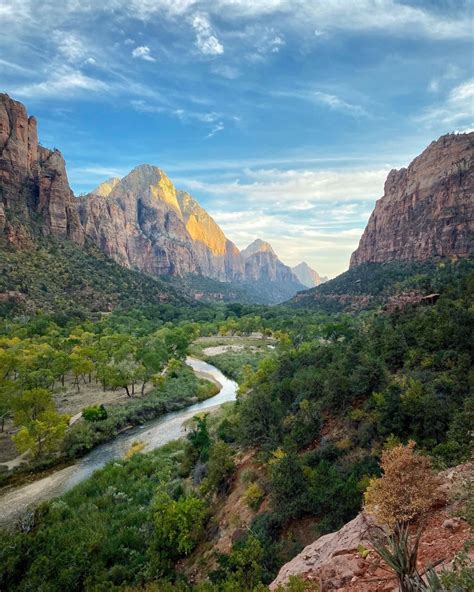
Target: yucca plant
{"type": "Point", "coordinates": [399, 550]}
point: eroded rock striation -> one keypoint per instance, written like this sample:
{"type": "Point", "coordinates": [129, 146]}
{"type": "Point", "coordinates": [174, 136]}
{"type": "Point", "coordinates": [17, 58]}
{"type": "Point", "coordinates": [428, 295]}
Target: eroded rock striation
{"type": "Point", "coordinates": [427, 209]}
{"type": "Point", "coordinates": [34, 188]}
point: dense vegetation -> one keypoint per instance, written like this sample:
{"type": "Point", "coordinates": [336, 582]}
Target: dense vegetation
{"type": "Point", "coordinates": [313, 416]}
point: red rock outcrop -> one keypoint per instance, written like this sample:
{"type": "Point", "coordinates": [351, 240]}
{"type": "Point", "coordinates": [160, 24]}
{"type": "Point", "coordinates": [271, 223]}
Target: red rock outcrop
{"type": "Point", "coordinates": [34, 189]}
{"type": "Point", "coordinates": [427, 210]}
{"type": "Point", "coordinates": [335, 560]}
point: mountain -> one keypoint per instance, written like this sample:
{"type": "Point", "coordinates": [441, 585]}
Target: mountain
{"type": "Point", "coordinates": [307, 276]}
{"type": "Point", "coordinates": [427, 209]}
{"type": "Point", "coordinates": [217, 256]}
{"type": "Point", "coordinates": [141, 221]}
{"type": "Point", "coordinates": [138, 222]}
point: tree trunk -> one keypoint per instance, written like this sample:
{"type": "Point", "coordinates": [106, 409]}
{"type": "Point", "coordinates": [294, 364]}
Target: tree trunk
{"type": "Point", "coordinates": [127, 391]}
{"type": "Point", "coordinates": [143, 387]}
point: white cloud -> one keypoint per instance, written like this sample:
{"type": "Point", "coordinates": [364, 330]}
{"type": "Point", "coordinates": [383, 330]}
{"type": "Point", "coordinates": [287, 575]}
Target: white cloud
{"type": "Point", "coordinates": [282, 188]}
{"type": "Point", "coordinates": [337, 104]}
{"type": "Point", "coordinates": [70, 45]}
{"type": "Point", "coordinates": [333, 102]}
{"type": "Point", "coordinates": [143, 52]}
{"type": "Point", "coordinates": [144, 9]}
{"type": "Point", "coordinates": [184, 115]}
{"type": "Point", "coordinates": [451, 73]}
{"type": "Point", "coordinates": [226, 71]}
{"type": "Point", "coordinates": [206, 41]}
{"type": "Point", "coordinates": [368, 15]}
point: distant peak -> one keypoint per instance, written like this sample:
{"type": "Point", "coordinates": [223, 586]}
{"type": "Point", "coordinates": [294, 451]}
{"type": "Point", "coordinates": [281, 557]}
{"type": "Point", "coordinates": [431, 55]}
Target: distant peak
{"type": "Point", "coordinates": [258, 246]}
{"type": "Point", "coordinates": [306, 275]}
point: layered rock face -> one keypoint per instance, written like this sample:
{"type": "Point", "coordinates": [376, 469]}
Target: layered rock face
{"type": "Point", "coordinates": [218, 257]}
{"type": "Point", "coordinates": [262, 264]}
{"type": "Point", "coordinates": [34, 188]}
{"type": "Point", "coordinates": [306, 275]}
{"type": "Point", "coordinates": [427, 210]}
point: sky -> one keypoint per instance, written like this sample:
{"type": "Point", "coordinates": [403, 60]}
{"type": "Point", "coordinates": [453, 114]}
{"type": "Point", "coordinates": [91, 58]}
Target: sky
{"type": "Point", "coordinates": [281, 117]}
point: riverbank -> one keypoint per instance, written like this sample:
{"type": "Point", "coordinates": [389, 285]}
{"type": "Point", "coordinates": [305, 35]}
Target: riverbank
{"type": "Point", "coordinates": [18, 501]}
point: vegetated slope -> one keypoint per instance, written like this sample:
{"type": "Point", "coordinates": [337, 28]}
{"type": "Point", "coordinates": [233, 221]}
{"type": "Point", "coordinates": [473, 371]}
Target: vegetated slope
{"type": "Point", "coordinates": [347, 557]}
{"type": "Point", "coordinates": [57, 276]}
{"type": "Point", "coordinates": [394, 284]}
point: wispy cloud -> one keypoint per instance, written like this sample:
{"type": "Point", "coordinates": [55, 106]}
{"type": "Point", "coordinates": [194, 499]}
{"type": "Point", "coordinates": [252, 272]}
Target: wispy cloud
{"type": "Point", "coordinates": [337, 104]}
{"type": "Point", "coordinates": [70, 45]}
{"type": "Point", "coordinates": [143, 53]}
{"type": "Point", "coordinates": [332, 101]}
{"type": "Point", "coordinates": [219, 127]}
{"type": "Point", "coordinates": [65, 82]}
{"type": "Point", "coordinates": [457, 108]}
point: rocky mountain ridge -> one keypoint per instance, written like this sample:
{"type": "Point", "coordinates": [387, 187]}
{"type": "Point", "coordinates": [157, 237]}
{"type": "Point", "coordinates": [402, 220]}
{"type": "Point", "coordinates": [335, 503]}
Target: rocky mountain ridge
{"type": "Point", "coordinates": [141, 221]}
{"type": "Point", "coordinates": [427, 209]}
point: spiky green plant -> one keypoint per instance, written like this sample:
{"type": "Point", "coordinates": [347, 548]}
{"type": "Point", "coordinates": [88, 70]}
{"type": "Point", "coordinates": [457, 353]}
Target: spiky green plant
{"type": "Point", "coordinates": [399, 550]}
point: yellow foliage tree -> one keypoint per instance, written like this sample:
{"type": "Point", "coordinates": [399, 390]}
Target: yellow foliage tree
{"type": "Point", "coordinates": [406, 489]}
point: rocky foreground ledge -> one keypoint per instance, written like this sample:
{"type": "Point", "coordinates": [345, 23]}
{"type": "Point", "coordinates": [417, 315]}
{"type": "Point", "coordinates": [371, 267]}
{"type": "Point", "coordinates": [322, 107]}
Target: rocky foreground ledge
{"type": "Point", "coordinates": [337, 561]}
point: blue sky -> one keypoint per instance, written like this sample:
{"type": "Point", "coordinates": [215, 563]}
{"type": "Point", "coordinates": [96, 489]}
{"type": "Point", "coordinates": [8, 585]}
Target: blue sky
{"type": "Point", "coordinates": [282, 117]}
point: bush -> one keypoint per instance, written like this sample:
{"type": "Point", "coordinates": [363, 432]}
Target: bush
{"type": "Point", "coordinates": [94, 413]}
{"type": "Point", "coordinates": [253, 496]}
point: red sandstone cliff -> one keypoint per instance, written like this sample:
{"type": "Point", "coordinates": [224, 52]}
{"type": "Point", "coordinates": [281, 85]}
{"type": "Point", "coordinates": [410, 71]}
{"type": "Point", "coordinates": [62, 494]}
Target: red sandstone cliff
{"type": "Point", "coordinates": [34, 188]}
{"type": "Point", "coordinates": [427, 209]}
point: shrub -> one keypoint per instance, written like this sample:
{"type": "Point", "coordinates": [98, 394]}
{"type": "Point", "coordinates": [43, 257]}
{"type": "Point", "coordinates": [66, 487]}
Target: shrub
{"type": "Point", "coordinates": [254, 495]}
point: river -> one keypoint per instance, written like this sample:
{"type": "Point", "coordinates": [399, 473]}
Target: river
{"type": "Point", "coordinates": [153, 434]}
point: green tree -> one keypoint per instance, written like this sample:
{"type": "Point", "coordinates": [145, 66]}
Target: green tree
{"type": "Point", "coordinates": [178, 524]}
{"type": "Point", "coordinates": [42, 429]}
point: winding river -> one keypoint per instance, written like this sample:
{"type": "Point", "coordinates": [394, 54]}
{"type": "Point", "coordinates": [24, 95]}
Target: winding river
{"type": "Point", "coordinates": [153, 434]}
